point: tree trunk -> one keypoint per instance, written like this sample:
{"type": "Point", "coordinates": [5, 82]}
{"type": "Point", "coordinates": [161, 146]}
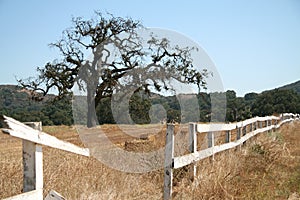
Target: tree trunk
{"type": "Point", "coordinates": [91, 114]}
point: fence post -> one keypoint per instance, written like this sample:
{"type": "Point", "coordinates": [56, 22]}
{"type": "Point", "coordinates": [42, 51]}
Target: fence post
{"type": "Point", "coordinates": [193, 147]}
{"type": "Point", "coordinates": [267, 122]}
{"type": "Point", "coordinates": [227, 137]}
{"type": "Point", "coordinates": [251, 127]}
{"type": "Point", "coordinates": [244, 130]}
{"type": "Point", "coordinates": [238, 133]}
{"type": "Point", "coordinates": [260, 124]}
{"type": "Point", "coordinates": [281, 117]}
{"type": "Point", "coordinates": [32, 163]}
{"type": "Point", "coordinates": [211, 142]}
{"type": "Point", "coordinates": [168, 167]}
{"type": "Point", "coordinates": [210, 139]}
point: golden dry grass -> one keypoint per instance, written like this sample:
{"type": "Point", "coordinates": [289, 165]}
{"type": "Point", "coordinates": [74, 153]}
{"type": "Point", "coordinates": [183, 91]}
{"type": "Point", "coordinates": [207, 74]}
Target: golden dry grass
{"type": "Point", "coordinates": [267, 167]}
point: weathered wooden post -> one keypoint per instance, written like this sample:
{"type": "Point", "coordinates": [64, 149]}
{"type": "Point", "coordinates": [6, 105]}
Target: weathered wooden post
{"type": "Point", "coordinates": [32, 155]}
{"type": "Point", "coordinates": [210, 139]}
{"type": "Point", "coordinates": [33, 163]}
{"type": "Point", "coordinates": [244, 130]}
{"type": "Point", "coordinates": [270, 124]}
{"type": "Point", "coordinates": [211, 142]}
{"type": "Point", "coordinates": [168, 167]}
{"type": "Point", "coordinates": [260, 124]}
{"type": "Point", "coordinates": [227, 137]}
{"type": "Point", "coordinates": [193, 147]}
{"type": "Point", "coordinates": [238, 133]}
{"type": "Point", "coordinates": [251, 127]}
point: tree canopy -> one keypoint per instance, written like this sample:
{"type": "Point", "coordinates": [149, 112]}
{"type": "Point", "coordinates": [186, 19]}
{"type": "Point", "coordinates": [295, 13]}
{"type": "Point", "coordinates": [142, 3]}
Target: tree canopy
{"type": "Point", "coordinates": [106, 54]}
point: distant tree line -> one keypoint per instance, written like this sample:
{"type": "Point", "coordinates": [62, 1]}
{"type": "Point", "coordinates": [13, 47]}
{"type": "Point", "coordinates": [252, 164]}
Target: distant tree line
{"type": "Point", "coordinates": [17, 104]}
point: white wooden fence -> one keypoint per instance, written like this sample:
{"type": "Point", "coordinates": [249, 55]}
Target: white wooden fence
{"type": "Point", "coordinates": [33, 139]}
{"type": "Point", "coordinates": [244, 130]}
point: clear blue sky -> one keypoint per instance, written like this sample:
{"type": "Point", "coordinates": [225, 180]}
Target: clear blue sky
{"type": "Point", "coordinates": [255, 44]}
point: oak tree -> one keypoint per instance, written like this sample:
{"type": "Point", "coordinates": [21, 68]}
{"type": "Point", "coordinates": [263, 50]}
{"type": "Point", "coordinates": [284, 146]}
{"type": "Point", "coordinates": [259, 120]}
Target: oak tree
{"type": "Point", "coordinates": [104, 54]}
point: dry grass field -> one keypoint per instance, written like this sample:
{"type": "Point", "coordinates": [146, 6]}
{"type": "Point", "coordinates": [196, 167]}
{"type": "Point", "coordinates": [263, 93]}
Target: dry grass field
{"type": "Point", "coordinates": [267, 167]}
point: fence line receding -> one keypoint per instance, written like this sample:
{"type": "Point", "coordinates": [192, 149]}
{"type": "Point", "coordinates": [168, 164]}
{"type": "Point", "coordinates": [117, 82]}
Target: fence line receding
{"type": "Point", "coordinates": [243, 131]}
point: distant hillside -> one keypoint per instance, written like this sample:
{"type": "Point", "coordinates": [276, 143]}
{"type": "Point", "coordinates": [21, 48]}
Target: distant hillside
{"type": "Point", "coordinates": [17, 103]}
{"type": "Point", "coordinates": [293, 86]}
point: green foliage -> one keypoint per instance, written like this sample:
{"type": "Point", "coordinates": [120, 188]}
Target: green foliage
{"type": "Point", "coordinates": [149, 108]}
{"type": "Point", "coordinates": [276, 101]}
{"type": "Point", "coordinates": [293, 86]}
{"type": "Point", "coordinates": [16, 103]}
{"type": "Point", "coordinates": [139, 106]}
{"type": "Point", "coordinates": [104, 113]}
{"type": "Point", "coordinates": [58, 112]}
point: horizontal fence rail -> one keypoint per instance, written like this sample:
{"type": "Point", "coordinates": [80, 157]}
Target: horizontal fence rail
{"type": "Point", "coordinates": [244, 131]}
{"type": "Point", "coordinates": [32, 141]}
{"type": "Point", "coordinates": [22, 131]}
